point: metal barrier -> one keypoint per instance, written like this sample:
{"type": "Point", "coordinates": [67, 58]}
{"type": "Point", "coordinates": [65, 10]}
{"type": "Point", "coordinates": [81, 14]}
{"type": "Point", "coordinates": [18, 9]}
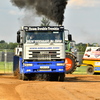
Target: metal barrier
{"type": "Point", "coordinates": [6, 60]}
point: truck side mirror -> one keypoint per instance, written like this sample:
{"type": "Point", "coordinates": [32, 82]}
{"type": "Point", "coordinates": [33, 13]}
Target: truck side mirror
{"type": "Point", "coordinates": [69, 37]}
{"type": "Point", "coordinates": [18, 37]}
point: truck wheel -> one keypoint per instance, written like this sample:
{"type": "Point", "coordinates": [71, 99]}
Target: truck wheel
{"type": "Point", "coordinates": [46, 77]}
{"type": "Point", "coordinates": [61, 77]}
{"type": "Point", "coordinates": [24, 76]}
{"type": "Point", "coordinates": [90, 70]}
{"type": "Point", "coordinates": [57, 77]}
{"type": "Point", "coordinates": [54, 77]}
{"type": "Point", "coordinates": [71, 63]}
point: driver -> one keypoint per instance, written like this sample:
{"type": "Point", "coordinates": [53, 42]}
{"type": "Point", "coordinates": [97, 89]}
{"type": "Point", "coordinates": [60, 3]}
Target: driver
{"type": "Point", "coordinates": [31, 37]}
{"type": "Point", "coordinates": [57, 37]}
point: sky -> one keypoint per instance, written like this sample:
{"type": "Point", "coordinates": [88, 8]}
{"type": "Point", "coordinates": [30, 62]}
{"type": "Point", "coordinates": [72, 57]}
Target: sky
{"type": "Point", "coordinates": [81, 18]}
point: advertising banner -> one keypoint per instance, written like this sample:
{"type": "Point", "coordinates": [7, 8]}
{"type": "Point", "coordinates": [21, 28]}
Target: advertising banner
{"type": "Point", "coordinates": [92, 53]}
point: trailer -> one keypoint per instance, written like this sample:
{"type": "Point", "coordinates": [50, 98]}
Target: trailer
{"type": "Point", "coordinates": [91, 59]}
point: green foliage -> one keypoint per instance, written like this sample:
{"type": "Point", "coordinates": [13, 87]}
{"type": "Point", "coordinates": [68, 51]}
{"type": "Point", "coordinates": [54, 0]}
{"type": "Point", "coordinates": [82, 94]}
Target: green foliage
{"type": "Point", "coordinates": [81, 47]}
{"type": "Point", "coordinates": [12, 45]}
{"type": "Point", "coordinates": [2, 41]}
{"type": "Point", "coordinates": [5, 45]}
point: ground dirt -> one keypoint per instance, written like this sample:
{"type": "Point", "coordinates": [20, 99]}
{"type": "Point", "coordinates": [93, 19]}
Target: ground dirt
{"type": "Point", "coordinates": [75, 87]}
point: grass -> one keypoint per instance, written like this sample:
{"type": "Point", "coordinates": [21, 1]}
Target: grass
{"type": "Point", "coordinates": [6, 50]}
{"type": "Point", "coordinates": [81, 70]}
{"type": "Point", "coordinates": [6, 67]}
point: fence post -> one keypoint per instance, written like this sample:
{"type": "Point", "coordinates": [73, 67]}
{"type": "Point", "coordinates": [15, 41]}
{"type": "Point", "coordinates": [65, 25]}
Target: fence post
{"type": "Point", "coordinates": [5, 59]}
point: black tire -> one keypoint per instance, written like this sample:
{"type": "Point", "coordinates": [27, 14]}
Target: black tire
{"type": "Point", "coordinates": [57, 77]}
{"type": "Point", "coordinates": [53, 77]}
{"type": "Point", "coordinates": [45, 77]}
{"type": "Point", "coordinates": [61, 77]}
{"type": "Point", "coordinates": [42, 77]}
{"type": "Point", "coordinates": [90, 70]}
{"type": "Point", "coordinates": [73, 66]}
{"type": "Point", "coordinates": [24, 76]}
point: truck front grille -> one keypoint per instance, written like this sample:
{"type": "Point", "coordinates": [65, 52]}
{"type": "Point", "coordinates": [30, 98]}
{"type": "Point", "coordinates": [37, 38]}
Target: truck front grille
{"type": "Point", "coordinates": [44, 54]}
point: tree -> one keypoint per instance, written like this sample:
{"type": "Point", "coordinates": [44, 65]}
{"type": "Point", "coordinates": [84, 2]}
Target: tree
{"type": "Point", "coordinates": [2, 41]}
{"type": "Point", "coordinates": [45, 22]}
{"type": "Point", "coordinates": [81, 47]}
{"type": "Point", "coordinates": [3, 45]}
{"type": "Point", "coordinates": [12, 45]}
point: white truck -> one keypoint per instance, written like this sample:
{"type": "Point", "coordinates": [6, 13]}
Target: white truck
{"type": "Point", "coordinates": [40, 53]}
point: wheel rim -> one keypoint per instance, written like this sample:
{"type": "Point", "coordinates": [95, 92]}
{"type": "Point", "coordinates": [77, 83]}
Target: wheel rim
{"type": "Point", "coordinates": [90, 70]}
{"type": "Point", "coordinates": [68, 64]}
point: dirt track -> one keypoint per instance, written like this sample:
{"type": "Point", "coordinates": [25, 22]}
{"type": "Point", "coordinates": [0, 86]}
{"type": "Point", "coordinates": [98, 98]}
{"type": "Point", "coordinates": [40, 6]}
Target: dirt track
{"type": "Point", "coordinates": [75, 87]}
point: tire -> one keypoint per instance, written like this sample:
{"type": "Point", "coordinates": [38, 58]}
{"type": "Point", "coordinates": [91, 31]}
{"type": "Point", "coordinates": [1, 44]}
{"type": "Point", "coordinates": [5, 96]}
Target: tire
{"type": "Point", "coordinates": [90, 70]}
{"type": "Point", "coordinates": [57, 77]}
{"type": "Point", "coordinates": [61, 77]}
{"type": "Point", "coordinates": [71, 63]}
{"type": "Point", "coordinates": [24, 77]}
{"type": "Point", "coordinates": [53, 77]}
{"type": "Point", "coordinates": [45, 77]}
{"type": "Point", "coordinates": [42, 77]}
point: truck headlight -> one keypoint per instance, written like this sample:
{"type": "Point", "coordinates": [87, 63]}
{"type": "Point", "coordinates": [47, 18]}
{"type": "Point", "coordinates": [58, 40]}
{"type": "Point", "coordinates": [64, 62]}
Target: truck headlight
{"type": "Point", "coordinates": [28, 64]}
{"type": "Point", "coordinates": [60, 64]}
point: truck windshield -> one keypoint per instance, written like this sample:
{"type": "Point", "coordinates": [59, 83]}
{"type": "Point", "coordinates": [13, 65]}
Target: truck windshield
{"type": "Point", "coordinates": [44, 37]}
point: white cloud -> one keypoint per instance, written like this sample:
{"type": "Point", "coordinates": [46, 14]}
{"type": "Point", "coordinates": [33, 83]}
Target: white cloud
{"type": "Point", "coordinates": [84, 3]}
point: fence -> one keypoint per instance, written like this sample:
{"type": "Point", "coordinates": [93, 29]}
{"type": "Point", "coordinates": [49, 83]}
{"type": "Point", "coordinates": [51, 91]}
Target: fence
{"type": "Point", "coordinates": [6, 60]}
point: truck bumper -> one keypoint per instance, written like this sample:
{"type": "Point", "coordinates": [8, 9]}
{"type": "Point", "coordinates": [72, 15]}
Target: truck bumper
{"type": "Point", "coordinates": [43, 67]}
{"type": "Point", "coordinates": [38, 66]}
